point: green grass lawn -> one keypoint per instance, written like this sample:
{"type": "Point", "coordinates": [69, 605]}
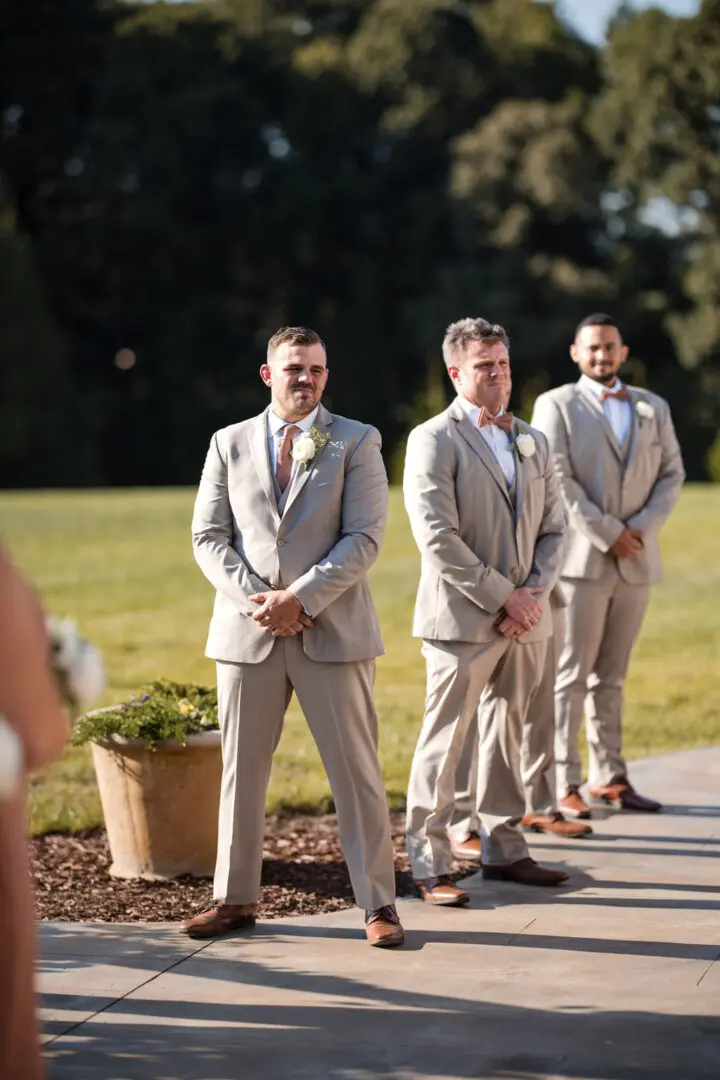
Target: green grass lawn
{"type": "Point", "coordinates": [120, 563]}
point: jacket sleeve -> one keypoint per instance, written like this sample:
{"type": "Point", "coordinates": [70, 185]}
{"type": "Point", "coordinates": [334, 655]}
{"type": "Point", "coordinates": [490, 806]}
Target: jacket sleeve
{"type": "Point", "coordinates": [429, 490]}
{"type": "Point", "coordinates": [362, 525]}
{"type": "Point", "coordinates": [213, 535]}
{"type": "Point", "coordinates": [671, 475]}
{"type": "Point", "coordinates": [550, 544]}
{"type": "Point", "coordinates": [601, 529]}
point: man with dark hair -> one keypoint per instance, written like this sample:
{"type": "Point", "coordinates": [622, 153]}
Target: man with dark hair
{"type": "Point", "coordinates": [288, 520]}
{"type": "Point", "coordinates": [620, 472]}
{"type": "Point", "coordinates": [482, 498]}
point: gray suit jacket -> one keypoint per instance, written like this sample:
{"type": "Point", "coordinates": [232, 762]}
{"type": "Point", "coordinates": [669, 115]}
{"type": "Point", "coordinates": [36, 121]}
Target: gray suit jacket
{"type": "Point", "coordinates": [321, 546]}
{"type": "Point", "coordinates": [607, 488]}
{"type": "Point", "coordinates": [478, 544]}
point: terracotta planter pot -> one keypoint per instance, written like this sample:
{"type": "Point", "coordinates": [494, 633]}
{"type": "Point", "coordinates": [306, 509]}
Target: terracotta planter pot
{"type": "Point", "coordinates": [160, 805]}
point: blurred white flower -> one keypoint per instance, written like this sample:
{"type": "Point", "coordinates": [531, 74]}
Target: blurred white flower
{"type": "Point", "coordinates": [526, 445]}
{"type": "Point", "coordinates": [78, 664]}
{"type": "Point", "coordinates": [304, 449]}
{"type": "Point", "coordinates": [645, 410]}
{"type": "Point", "coordinates": [11, 761]}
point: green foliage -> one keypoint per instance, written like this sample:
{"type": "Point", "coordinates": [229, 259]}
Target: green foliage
{"type": "Point", "coordinates": [164, 710]}
{"type": "Point", "coordinates": [180, 179]}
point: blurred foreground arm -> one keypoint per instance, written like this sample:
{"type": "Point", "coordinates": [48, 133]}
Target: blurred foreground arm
{"type": "Point", "coordinates": [28, 695]}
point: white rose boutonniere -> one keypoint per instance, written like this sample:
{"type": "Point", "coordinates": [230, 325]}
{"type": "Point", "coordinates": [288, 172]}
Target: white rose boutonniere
{"type": "Point", "coordinates": [526, 445]}
{"type": "Point", "coordinates": [306, 446]}
{"type": "Point", "coordinates": [645, 410]}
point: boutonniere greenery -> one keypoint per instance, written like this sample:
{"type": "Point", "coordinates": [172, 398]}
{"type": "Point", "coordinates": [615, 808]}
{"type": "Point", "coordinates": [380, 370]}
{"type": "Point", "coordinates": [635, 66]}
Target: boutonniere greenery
{"type": "Point", "coordinates": [308, 446]}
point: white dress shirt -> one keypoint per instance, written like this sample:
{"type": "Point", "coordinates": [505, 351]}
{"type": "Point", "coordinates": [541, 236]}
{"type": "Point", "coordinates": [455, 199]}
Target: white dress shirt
{"type": "Point", "coordinates": [618, 413]}
{"type": "Point", "coordinates": [275, 436]}
{"type": "Point", "coordinates": [497, 440]}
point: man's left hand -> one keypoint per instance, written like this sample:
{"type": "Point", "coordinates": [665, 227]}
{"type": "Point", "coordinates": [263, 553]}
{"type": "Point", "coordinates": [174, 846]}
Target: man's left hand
{"type": "Point", "coordinates": [277, 611]}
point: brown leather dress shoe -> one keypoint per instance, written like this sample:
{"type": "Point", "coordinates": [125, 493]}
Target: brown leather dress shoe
{"type": "Point", "coordinates": [383, 928]}
{"type": "Point", "coordinates": [441, 891]}
{"type": "Point", "coordinates": [556, 825]}
{"type": "Point", "coordinates": [467, 850]}
{"type": "Point", "coordinates": [573, 804]}
{"type": "Point", "coordinates": [220, 919]}
{"type": "Point", "coordinates": [525, 872]}
{"type": "Point", "coordinates": [622, 795]}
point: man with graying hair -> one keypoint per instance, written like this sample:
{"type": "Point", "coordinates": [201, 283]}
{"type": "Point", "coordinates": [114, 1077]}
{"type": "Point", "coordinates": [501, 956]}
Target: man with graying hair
{"type": "Point", "coordinates": [485, 512]}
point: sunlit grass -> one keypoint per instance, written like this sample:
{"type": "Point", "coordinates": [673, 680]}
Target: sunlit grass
{"type": "Point", "coordinates": [120, 562]}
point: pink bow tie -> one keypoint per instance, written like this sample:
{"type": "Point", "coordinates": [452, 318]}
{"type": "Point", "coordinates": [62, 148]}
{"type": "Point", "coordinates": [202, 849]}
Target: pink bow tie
{"type": "Point", "coordinates": [619, 395]}
{"type": "Point", "coordinates": [503, 421]}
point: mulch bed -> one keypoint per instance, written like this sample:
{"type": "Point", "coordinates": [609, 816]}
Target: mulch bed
{"type": "Point", "coordinates": [304, 873]}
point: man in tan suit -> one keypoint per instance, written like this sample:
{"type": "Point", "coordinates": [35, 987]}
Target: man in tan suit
{"type": "Point", "coordinates": [289, 517]}
{"type": "Point", "coordinates": [537, 763]}
{"type": "Point", "coordinates": [620, 472]}
{"type": "Point", "coordinates": [482, 499]}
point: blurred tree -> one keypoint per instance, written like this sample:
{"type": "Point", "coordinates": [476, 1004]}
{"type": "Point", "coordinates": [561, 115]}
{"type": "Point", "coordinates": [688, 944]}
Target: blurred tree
{"type": "Point", "coordinates": [658, 118]}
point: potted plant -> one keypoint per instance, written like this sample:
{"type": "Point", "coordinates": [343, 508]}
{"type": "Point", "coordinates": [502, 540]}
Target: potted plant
{"type": "Point", "coordinates": [158, 763]}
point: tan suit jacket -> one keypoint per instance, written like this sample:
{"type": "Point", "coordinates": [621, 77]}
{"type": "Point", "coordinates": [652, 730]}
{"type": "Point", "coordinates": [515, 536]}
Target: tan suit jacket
{"type": "Point", "coordinates": [607, 488]}
{"type": "Point", "coordinates": [477, 542]}
{"type": "Point", "coordinates": [320, 547]}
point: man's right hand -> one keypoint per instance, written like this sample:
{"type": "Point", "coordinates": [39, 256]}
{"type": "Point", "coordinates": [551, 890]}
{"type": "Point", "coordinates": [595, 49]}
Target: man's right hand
{"type": "Point", "coordinates": [304, 622]}
{"type": "Point", "coordinates": [522, 606]}
{"type": "Point", "coordinates": [628, 543]}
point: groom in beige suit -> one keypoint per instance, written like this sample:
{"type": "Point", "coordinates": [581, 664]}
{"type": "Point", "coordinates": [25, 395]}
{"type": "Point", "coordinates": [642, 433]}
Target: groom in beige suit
{"type": "Point", "coordinates": [620, 472]}
{"type": "Point", "coordinates": [288, 519]}
{"type": "Point", "coordinates": [482, 498]}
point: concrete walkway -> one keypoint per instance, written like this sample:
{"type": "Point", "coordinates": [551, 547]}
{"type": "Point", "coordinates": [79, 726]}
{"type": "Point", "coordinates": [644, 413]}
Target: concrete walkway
{"type": "Point", "coordinates": [613, 977]}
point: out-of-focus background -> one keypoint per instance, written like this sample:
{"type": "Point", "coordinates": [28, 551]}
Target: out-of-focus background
{"type": "Point", "coordinates": [179, 179]}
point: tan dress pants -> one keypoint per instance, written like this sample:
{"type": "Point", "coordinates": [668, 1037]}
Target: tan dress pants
{"type": "Point", "coordinates": [337, 700]}
{"type": "Point", "coordinates": [537, 756]}
{"type": "Point", "coordinates": [487, 685]}
{"type": "Point", "coordinates": [603, 621]}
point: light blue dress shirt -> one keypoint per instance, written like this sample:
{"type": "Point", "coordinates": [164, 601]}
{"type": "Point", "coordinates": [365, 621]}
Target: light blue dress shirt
{"type": "Point", "coordinates": [498, 441]}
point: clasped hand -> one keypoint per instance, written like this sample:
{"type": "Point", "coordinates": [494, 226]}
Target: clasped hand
{"type": "Point", "coordinates": [520, 613]}
{"type": "Point", "coordinates": [629, 543]}
{"type": "Point", "coordinates": [280, 613]}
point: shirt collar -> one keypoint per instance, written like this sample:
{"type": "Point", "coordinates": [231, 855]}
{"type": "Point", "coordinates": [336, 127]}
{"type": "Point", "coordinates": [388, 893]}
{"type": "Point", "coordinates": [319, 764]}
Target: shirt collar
{"type": "Point", "coordinates": [275, 423]}
{"type": "Point", "coordinates": [598, 387]}
{"type": "Point", "coordinates": [473, 411]}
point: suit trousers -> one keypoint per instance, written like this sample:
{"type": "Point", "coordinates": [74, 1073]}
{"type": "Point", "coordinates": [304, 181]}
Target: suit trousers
{"type": "Point", "coordinates": [603, 621]}
{"type": "Point", "coordinates": [337, 700]}
{"type": "Point", "coordinates": [537, 755]}
{"type": "Point", "coordinates": [485, 685]}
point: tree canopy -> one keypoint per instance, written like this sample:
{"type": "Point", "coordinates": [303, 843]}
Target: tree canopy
{"type": "Point", "coordinates": [178, 180]}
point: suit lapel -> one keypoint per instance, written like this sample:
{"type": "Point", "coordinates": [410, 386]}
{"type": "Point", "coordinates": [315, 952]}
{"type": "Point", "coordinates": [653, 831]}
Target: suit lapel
{"type": "Point", "coordinates": [597, 409]}
{"type": "Point", "coordinates": [474, 439]}
{"type": "Point", "coordinates": [632, 436]}
{"type": "Point", "coordinates": [323, 422]}
{"type": "Point", "coordinates": [261, 459]}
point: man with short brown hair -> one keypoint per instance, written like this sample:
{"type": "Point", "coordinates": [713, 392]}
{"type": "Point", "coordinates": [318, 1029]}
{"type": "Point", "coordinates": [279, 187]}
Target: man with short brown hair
{"type": "Point", "coordinates": [289, 518]}
{"type": "Point", "coordinates": [620, 473]}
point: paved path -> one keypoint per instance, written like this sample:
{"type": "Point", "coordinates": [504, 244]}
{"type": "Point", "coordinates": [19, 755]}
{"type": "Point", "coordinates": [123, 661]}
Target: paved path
{"type": "Point", "coordinates": [614, 977]}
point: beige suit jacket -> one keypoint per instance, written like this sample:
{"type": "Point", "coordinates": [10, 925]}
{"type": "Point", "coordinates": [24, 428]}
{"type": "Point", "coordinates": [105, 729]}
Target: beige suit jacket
{"type": "Point", "coordinates": [606, 488]}
{"type": "Point", "coordinates": [321, 547]}
{"type": "Point", "coordinates": [477, 544]}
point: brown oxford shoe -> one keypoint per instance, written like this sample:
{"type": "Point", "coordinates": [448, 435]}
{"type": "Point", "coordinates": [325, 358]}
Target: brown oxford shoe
{"type": "Point", "coordinates": [555, 824]}
{"type": "Point", "coordinates": [573, 804]}
{"type": "Point", "coordinates": [525, 872]}
{"type": "Point", "coordinates": [383, 927]}
{"type": "Point", "coordinates": [623, 796]}
{"type": "Point", "coordinates": [467, 850]}
{"type": "Point", "coordinates": [441, 891]}
{"type": "Point", "coordinates": [220, 919]}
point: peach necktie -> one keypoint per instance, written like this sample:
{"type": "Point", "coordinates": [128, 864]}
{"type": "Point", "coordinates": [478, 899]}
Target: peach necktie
{"type": "Point", "coordinates": [284, 458]}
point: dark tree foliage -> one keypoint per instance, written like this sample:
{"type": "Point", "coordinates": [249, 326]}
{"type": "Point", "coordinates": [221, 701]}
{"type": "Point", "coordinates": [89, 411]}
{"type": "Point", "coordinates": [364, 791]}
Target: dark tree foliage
{"type": "Point", "coordinates": [180, 179]}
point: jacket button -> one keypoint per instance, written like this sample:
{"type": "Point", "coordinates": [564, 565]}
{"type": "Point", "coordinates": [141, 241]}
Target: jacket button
{"type": "Point", "coordinates": [280, 543]}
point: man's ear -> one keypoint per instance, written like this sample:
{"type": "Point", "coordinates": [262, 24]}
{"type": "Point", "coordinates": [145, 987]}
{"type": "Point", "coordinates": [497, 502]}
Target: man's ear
{"type": "Point", "coordinates": [573, 354]}
{"type": "Point", "coordinates": [266, 374]}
